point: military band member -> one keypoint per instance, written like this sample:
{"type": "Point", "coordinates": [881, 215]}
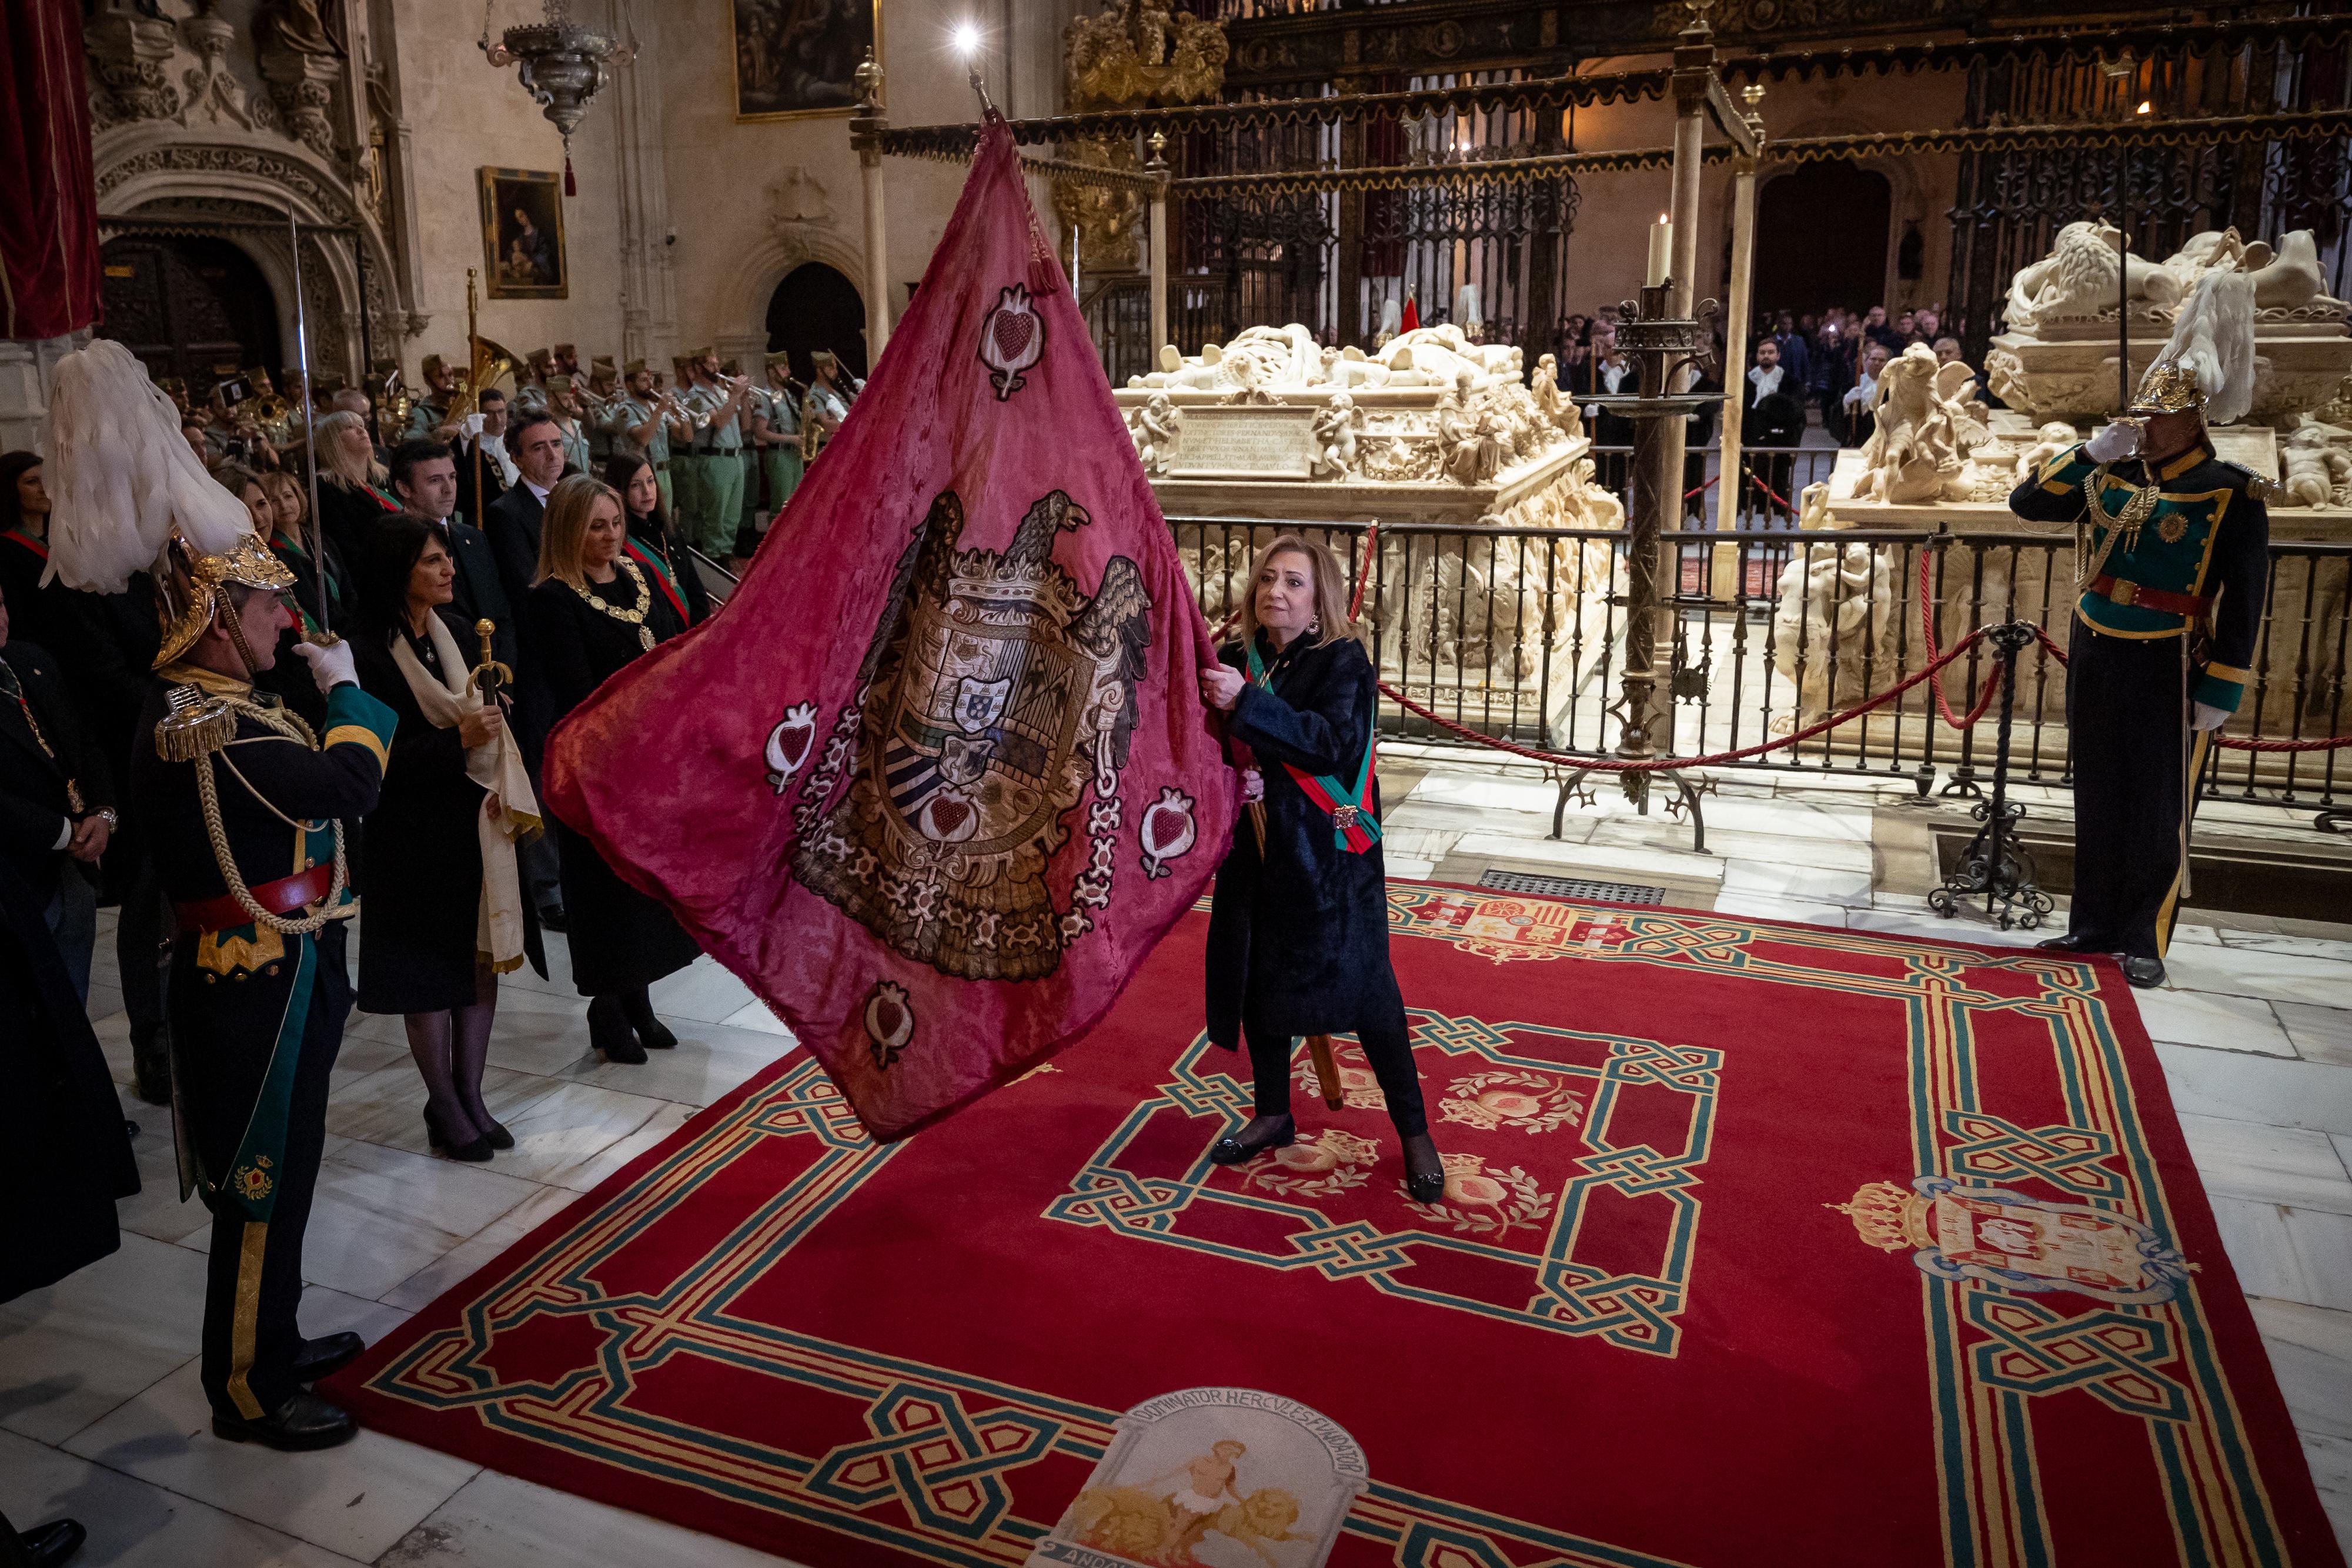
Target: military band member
{"type": "Point", "coordinates": [564, 402]}
{"type": "Point", "coordinates": [244, 805]}
{"type": "Point", "coordinates": [775, 412]}
{"type": "Point", "coordinates": [429, 416]}
{"type": "Point", "coordinates": [567, 359]}
{"type": "Point", "coordinates": [603, 386]}
{"type": "Point", "coordinates": [641, 421]}
{"type": "Point", "coordinates": [2171, 568]}
{"type": "Point", "coordinates": [826, 405]}
{"type": "Point", "coordinates": [717, 405]}
{"type": "Point", "coordinates": [531, 379]}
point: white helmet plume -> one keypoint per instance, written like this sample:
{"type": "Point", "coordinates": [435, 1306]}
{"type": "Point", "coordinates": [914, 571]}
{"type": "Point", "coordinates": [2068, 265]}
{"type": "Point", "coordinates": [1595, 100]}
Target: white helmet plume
{"type": "Point", "coordinates": [2213, 344]}
{"type": "Point", "coordinates": [120, 476]}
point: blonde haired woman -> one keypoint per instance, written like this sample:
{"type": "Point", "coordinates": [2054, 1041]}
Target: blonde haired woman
{"type": "Point", "coordinates": [353, 485]}
{"type": "Point", "coordinates": [592, 610]}
{"type": "Point", "coordinates": [1298, 929]}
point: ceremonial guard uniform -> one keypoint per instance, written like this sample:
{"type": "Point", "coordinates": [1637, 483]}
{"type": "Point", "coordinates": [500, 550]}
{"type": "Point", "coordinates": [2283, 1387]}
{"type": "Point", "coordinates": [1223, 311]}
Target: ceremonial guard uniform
{"type": "Point", "coordinates": [2170, 577]}
{"type": "Point", "coordinates": [243, 807]}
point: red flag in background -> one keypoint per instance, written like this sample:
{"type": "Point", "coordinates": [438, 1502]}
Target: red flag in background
{"type": "Point", "coordinates": [1411, 320]}
{"type": "Point", "coordinates": [939, 776]}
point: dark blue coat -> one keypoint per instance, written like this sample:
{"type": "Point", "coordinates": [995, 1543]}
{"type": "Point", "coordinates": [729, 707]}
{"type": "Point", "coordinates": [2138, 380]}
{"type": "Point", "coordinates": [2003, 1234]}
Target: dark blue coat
{"type": "Point", "coordinates": [1299, 938]}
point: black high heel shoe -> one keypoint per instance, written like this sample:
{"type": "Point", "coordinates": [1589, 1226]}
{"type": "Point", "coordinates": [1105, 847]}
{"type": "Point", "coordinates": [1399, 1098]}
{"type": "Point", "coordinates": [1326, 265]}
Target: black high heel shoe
{"type": "Point", "coordinates": [1234, 1148]}
{"type": "Point", "coordinates": [652, 1033]}
{"type": "Point", "coordinates": [493, 1133]}
{"type": "Point", "coordinates": [608, 1031]}
{"type": "Point", "coordinates": [473, 1154]}
{"type": "Point", "coordinates": [1424, 1173]}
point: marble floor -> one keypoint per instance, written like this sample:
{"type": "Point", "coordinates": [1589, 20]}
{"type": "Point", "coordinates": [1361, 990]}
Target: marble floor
{"type": "Point", "coordinates": [101, 1417]}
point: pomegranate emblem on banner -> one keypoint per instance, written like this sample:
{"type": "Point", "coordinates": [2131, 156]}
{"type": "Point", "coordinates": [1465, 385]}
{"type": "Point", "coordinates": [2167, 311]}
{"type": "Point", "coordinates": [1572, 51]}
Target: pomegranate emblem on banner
{"type": "Point", "coordinates": [1011, 339]}
{"type": "Point", "coordinates": [998, 694]}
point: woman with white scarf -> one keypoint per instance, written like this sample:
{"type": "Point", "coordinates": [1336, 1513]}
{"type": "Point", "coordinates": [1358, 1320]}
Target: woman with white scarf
{"type": "Point", "coordinates": [443, 905]}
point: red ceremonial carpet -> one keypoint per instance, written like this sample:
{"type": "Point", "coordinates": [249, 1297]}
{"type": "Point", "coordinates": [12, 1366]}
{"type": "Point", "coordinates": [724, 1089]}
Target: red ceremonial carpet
{"type": "Point", "coordinates": [1764, 1245]}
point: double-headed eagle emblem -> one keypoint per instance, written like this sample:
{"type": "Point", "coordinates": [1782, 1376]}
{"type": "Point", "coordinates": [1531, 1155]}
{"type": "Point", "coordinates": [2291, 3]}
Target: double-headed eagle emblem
{"type": "Point", "coordinates": [994, 693]}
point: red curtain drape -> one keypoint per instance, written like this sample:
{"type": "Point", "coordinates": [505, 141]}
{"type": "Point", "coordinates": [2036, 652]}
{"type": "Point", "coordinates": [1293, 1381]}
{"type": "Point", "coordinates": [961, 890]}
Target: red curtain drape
{"type": "Point", "coordinates": [48, 193]}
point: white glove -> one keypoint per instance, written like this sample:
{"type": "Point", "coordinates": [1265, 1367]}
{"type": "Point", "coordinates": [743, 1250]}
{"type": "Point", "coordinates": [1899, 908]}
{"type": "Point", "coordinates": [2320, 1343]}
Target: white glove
{"type": "Point", "coordinates": [2114, 442]}
{"type": "Point", "coordinates": [330, 667]}
{"type": "Point", "coordinates": [473, 425]}
{"type": "Point", "coordinates": [2208, 717]}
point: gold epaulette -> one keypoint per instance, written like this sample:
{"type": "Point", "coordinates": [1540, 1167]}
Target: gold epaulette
{"type": "Point", "coordinates": [195, 726]}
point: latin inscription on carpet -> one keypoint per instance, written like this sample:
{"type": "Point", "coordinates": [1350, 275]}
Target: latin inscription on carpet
{"type": "Point", "coordinates": [1245, 443]}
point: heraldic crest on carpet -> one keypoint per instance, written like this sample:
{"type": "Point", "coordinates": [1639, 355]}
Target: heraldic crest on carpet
{"type": "Point", "coordinates": [995, 694]}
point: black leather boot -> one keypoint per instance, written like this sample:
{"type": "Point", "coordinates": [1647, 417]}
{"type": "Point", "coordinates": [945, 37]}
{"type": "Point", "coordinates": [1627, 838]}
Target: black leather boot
{"type": "Point", "coordinates": [652, 1033]}
{"type": "Point", "coordinates": [608, 1031]}
{"type": "Point", "coordinates": [303, 1423]}
{"type": "Point", "coordinates": [151, 1065]}
{"type": "Point", "coordinates": [324, 1357]}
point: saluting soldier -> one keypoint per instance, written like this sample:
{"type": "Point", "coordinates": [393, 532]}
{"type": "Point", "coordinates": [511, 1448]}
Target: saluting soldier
{"type": "Point", "coordinates": [775, 412]}
{"type": "Point", "coordinates": [243, 807]}
{"type": "Point", "coordinates": [640, 423]}
{"type": "Point", "coordinates": [2170, 582]}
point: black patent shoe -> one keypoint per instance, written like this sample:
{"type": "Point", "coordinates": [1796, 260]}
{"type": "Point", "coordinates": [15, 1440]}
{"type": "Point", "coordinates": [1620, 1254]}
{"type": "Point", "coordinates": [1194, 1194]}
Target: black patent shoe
{"type": "Point", "coordinates": [608, 1031]}
{"type": "Point", "coordinates": [473, 1152]}
{"type": "Point", "coordinates": [2070, 943]}
{"type": "Point", "coordinates": [303, 1423]}
{"type": "Point", "coordinates": [1424, 1173]}
{"type": "Point", "coordinates": [1262, 1133]}
{"type": "Point", "coordinates": [325, 1358]}
{"type": "Point", "coordinates": [52, 1544]}
{"type": "Point", "coordinates": [2145, 974]}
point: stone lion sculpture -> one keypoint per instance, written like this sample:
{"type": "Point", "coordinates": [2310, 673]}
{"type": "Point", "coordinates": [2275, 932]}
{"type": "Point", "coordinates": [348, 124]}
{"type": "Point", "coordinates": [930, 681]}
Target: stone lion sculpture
{"type": "Point", "coordinates": [2076, 281]}
{"type": "Point", "coordinates": [1919, 451]}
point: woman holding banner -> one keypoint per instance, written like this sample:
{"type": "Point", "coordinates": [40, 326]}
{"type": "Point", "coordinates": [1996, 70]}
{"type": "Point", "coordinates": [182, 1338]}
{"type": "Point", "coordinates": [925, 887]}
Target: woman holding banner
{"type": "Point", "coordinates": [1299, 935]}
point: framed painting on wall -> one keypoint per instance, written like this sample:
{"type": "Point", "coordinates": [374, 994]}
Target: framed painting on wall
{"type": "Point", "coordinates": [795, 58]}
{"type": "Point", "coordinates": [522, 235]}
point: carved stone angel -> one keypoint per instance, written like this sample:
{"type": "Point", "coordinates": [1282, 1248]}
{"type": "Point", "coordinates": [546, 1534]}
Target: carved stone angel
{"type": "Point", "coordinates": [1335, 427]}
{"type": "Point", "coordinates": [1920, 450]}
{"type": "Point", "coordinates": [1154, 430]}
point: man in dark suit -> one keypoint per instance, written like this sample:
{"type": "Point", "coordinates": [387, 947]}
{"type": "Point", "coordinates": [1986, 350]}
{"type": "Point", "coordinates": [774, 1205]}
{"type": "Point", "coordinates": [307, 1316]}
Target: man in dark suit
{"type": "Point", "coordinates": [424, 478]}
{"type": "Point", "coordinates": [1771, 425]}
{"type": "Point", "coordinates": [535, 441]}
{"type": "Point", "coordinates": [56, 800]}
{"type": "Point", "coordinates": [485, 431]}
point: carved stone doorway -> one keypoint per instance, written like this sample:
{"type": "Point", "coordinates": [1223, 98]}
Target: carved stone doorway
{"type": "Point", "coordinates": [816, 307]}
{"type": "Point", "coordinates": [1820, 239]}
{"type": "Point", "coordinates": [191, 307]}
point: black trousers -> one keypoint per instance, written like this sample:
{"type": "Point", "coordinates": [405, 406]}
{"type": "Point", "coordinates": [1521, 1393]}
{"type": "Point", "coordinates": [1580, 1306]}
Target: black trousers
{"type": "Point", "coordinates": [253, 1277]}
{"type": "Point", "coordinates": [2126, 714]}
{"type": "Point", "coordinates": [1389, 1049]}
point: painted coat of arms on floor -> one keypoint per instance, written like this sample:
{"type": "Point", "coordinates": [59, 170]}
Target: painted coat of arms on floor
{"type": "Point", "coordinates": [1212, 1478]}
{"type": "Point", "coordinates": [996, 693]}
{"type": "Point", "coordinates": [2006, 1239]}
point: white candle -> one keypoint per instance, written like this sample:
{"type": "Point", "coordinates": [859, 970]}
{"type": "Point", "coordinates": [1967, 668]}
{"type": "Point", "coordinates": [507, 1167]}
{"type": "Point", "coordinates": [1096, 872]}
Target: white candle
{"type": "Point", "coordinates": [1661, 251]}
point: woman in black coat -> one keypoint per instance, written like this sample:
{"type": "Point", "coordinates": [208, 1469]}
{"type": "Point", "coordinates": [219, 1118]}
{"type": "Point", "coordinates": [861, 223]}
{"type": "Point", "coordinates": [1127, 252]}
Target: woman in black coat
{"type": "Point", "coordinates": [1298, 932]}
{"type": "Point", "coordinates": [592, 611]}
{"type": "Point", "coordinates": [421, 859]}
{"type": "Point", "coordinates": [651, 542]}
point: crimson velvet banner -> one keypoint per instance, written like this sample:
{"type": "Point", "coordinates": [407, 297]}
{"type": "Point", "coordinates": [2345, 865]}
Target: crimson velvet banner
{"type": "Point", "coordinates": [938, 778]}
{"type": "Point", "coordinates": [48, 197]}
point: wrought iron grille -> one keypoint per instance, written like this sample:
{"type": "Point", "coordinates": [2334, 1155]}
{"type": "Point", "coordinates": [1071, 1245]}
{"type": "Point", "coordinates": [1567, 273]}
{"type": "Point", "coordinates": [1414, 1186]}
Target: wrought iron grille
{"type": "Point", "coordinates": [1343, 263]}
{"type": "Point", "coordinates": [2009, 205]}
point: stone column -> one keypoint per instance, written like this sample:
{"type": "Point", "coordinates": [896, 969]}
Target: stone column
{"type": "Point", "coordinates": [866, 127]}
{"type": "Point", "coordinates": [648, 282]}
{"type": "Point", "coordinates": [1158, 169]}
{"type": "Point", "coordinates": [1729, 481]}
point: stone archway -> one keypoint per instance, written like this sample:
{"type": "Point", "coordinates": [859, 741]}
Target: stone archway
{"type": "Point", "coordinates": [246, 192]}
{"type": "Point", "coordinates": [193, 306]}
{"type": "Point", "coordinates": [1830, 225]}
{"type": "Point", "coordinates": [743, 307]}
{"type": "Point", "coordinates": [815, 306]}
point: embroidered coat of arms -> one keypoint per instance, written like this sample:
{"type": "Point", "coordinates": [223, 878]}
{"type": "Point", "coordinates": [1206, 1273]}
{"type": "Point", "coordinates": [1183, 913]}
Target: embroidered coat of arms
{"type": "Point", "coordinates": [995, 691]}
